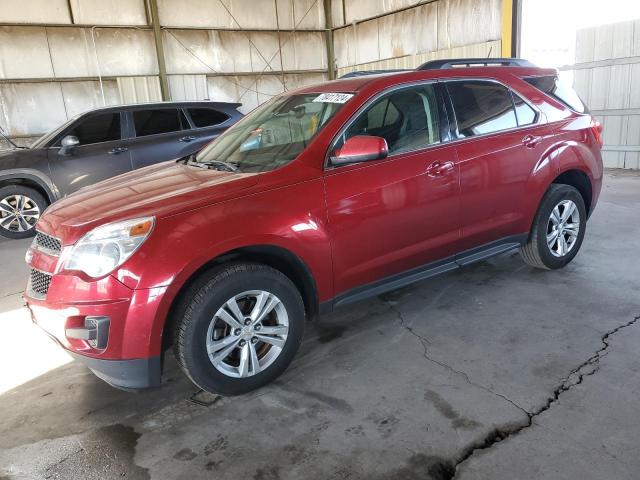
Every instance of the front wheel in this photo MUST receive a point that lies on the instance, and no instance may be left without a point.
(20, 209)
(239, 328)
(558, 229)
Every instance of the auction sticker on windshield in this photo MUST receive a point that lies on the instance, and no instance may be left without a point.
(333, 97)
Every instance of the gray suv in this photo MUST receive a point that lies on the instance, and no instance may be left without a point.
(97, 145)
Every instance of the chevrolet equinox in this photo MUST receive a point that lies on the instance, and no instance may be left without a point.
(320, 197)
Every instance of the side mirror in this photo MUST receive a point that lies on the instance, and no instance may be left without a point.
(360, 149)
(67, 144)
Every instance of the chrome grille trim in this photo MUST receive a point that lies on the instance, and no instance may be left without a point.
(47, 244)
(38, 283)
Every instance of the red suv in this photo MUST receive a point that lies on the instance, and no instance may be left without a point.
(322, 196)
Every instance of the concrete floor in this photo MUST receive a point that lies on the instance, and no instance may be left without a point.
(494, 371)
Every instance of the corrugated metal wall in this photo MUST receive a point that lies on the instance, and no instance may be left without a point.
(607, 76)
(62, 57)
(414, 35)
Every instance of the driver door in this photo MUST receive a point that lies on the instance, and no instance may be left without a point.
(393, 215)
(101, 153)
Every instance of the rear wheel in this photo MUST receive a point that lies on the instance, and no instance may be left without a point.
(20, 209)
(558, 229)
(239, 328)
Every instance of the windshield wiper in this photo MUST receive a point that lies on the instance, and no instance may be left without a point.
(229, 167)
(217, 164)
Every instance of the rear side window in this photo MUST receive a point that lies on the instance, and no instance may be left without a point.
(481, 107)
(165, 120)
(97, 129)
(525, 114)
(559, 90)
(207, 117)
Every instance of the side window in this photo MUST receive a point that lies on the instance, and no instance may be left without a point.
(481, 107)
(100, 128)
(162, 120)
(207, 117)
(559, 90)
(526, 115)
(407, 119)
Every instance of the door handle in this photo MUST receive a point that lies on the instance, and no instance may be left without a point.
(188, 138)
(439, 168)
(117, 150)
(530, 141)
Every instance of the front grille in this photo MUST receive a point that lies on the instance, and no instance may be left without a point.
(39, 283)
(48, 243)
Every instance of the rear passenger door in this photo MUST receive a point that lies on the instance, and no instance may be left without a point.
(158, 134)
(208, 123)
(497, 153)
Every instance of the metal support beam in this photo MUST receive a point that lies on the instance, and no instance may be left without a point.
(507, 28)
(157, 35)
(331, 58)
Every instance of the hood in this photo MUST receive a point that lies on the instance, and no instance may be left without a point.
(161, 190)
(15, 158)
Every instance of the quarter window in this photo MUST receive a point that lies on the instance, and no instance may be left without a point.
(407, 119)
(97, 129)
(526, 115)
(165, 120)
(207, 117)
(560, 91)
(481, 107)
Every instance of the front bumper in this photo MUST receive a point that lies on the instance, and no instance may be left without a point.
(136, 374)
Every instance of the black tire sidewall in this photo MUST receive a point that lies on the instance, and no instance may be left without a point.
(34, 195)
(553, 197)
(200, 314)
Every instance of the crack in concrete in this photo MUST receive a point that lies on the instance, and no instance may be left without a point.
(575, 377)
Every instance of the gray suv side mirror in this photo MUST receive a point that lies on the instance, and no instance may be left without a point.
(68, 143)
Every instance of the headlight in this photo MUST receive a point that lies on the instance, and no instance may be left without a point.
(105, 248)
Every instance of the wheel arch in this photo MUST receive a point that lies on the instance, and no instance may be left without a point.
(31, 180)
(581, 182)
(276, 257)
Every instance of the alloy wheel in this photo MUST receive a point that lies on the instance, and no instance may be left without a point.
(247, 333)
(18, 213)
(563, 228)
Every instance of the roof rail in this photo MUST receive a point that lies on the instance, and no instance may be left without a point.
(474, 62)
(360, 73)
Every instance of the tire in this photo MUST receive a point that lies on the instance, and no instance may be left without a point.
(17, 198)
(203, 325)
(538, 252)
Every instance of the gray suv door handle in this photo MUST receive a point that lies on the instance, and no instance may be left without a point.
(188, 138)
(117, 150)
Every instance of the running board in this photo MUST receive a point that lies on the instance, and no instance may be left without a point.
(429, 270)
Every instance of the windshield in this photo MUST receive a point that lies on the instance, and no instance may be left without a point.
(275, 133)
(47, 137)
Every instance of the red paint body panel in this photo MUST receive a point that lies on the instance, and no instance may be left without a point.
(350, 226)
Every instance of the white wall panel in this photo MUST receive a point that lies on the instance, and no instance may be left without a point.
(24, 53)
(359, 10)
(300, 14)
(34, 11)
(211, 14)
(303, 51)
(72, 52)
(139, 89)
(188, 87)
(80, 97)
(111, 12)
(211, 51)
(31, 108)
(126, 52)
(607, 77)
(463, 22)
